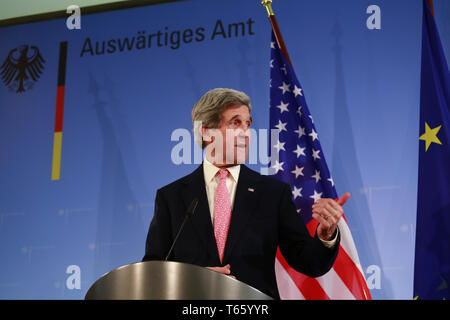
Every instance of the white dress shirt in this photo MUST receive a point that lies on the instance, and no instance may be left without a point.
(212, 180)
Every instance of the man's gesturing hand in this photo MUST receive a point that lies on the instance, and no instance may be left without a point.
(328, 212)
(225, 270)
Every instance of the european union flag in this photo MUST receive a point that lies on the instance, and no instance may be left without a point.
(432, 259)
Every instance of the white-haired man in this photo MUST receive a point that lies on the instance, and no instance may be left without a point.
(242, 216)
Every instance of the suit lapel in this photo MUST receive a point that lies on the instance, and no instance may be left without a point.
(194, 187)
(245, 203)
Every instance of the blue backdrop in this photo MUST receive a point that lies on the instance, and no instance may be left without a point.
(132, 78)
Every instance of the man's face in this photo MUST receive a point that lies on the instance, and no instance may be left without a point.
(230, 141)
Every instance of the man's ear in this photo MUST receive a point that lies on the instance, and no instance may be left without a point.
(206, 134)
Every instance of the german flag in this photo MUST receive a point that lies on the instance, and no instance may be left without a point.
(57, 137)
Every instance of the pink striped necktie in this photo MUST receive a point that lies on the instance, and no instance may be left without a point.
(222, 213)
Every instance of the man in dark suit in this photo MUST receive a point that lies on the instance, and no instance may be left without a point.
(242, 216)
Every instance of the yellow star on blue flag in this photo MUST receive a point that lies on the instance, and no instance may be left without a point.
(430, 136)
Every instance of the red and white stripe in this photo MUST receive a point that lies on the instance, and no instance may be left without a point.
(344, 281)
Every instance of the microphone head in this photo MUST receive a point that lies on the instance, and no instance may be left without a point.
(192, 207)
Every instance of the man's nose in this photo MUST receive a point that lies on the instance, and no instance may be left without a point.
(244, 131)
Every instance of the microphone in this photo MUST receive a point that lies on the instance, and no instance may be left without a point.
(189, 212)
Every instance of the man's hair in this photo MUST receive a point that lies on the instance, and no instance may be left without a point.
(208, 110)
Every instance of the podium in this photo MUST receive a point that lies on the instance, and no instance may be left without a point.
(168, 280)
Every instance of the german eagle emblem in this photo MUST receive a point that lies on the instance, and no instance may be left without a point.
(22, 67)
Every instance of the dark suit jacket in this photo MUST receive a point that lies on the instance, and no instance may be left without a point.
(261, 220)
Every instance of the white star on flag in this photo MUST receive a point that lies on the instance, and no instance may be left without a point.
(278, 166)
(297, 192)
(300, 132)
(331, 180)
(300, 151)
(316, 196)
(315, 154)
(283, 107)
(316, 176)
(281, 126)
(298, 171)
(314, 135)
(297, 91)
(284, 87)
(280, 146)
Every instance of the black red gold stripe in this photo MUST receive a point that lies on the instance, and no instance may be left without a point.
(59, 115)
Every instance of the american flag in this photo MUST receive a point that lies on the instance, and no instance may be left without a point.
(301, 163)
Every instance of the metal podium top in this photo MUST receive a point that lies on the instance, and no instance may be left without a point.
(168, 280)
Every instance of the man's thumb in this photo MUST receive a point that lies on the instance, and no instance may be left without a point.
(343, 199)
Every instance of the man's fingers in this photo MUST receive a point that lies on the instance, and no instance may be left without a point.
(328, 203)
(226, 270)
(327, 213)
(223, 270)
(321, 220)
(330, 208)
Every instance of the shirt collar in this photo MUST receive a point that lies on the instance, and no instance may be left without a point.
(210, 170)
